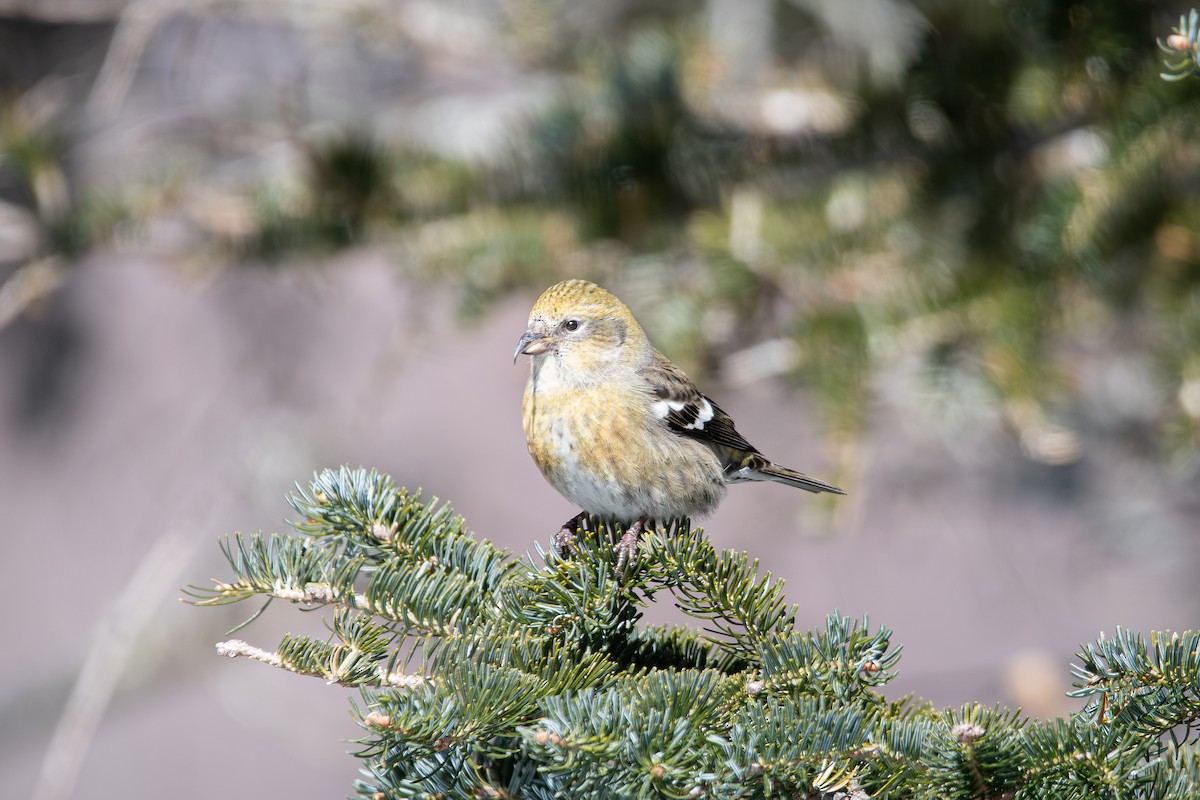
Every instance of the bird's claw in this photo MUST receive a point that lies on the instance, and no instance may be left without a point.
(626, 547)
(564, 542)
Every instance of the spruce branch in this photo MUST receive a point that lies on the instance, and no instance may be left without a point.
(484, 675)
(235, 648)
(638, 738)
(581, 600)
(976, 752)
(360, 660)
(1175, 775)
(844, 661)
(293, 568)
(1071, 760)
(789, 748)
(1151, 688)
(665, 646)
(726, 589)
(1182, 48)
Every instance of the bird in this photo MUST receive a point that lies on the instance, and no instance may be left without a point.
(618, 429)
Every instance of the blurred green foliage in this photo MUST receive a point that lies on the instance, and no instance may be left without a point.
(989, 188)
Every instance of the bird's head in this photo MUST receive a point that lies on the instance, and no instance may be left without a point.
(584, 327)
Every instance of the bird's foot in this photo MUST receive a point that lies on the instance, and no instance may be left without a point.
(564, 541)
(627, 545)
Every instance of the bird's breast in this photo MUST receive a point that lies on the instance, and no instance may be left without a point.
(592, 428)
(603, 448)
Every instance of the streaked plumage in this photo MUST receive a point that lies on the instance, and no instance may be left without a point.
(617, 428)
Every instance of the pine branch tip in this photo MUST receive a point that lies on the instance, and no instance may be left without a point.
(236, 648)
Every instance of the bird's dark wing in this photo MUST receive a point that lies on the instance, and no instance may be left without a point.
(689, 413)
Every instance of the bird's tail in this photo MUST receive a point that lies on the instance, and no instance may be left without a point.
(798, 479)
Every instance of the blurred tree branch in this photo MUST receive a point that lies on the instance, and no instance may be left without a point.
(979, 194)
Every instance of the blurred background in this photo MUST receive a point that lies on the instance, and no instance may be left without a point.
(945, 255)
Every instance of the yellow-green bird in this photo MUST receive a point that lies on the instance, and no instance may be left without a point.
(618, 429)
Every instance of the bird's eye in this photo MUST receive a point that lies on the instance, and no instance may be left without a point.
(571, 324)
